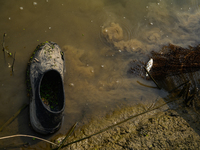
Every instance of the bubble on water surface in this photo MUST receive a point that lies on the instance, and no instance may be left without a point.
(21, 8)
(34, 3)
(71, 84)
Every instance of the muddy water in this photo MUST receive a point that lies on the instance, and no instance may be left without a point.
(99, 39)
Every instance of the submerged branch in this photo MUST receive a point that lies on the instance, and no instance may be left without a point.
(178, 86)
(68, 134)
(4, 48)
(152, 78)
(3, 44)
(13, 62)
(13, 117)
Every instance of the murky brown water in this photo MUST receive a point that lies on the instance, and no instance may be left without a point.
(99, 39)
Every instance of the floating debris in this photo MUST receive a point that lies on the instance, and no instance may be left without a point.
(151, 23)
(34, 3)
(13, 117)
(149, 65)
(9, 65)
(169, 61)
(71, 84)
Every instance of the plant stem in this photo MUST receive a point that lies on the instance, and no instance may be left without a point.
(68, 134)
(13, 117)
(30, 136)
(152, 78)
(13, 62)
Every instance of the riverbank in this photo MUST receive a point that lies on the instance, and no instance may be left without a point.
(172, 126)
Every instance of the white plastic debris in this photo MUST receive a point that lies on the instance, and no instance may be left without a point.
(149, 65)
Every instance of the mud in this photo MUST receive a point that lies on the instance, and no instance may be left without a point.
(115, 36)
(176, 128)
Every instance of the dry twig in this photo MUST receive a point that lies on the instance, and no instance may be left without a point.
(30, 136)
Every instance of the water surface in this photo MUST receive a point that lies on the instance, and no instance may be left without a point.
(100, 39)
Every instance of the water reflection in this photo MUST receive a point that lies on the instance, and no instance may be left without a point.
(95, 81)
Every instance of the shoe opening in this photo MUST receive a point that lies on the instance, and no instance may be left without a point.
(51, 91)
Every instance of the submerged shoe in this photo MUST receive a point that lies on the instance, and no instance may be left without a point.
(45, 75)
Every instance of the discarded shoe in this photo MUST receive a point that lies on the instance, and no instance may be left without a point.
(45, 75)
